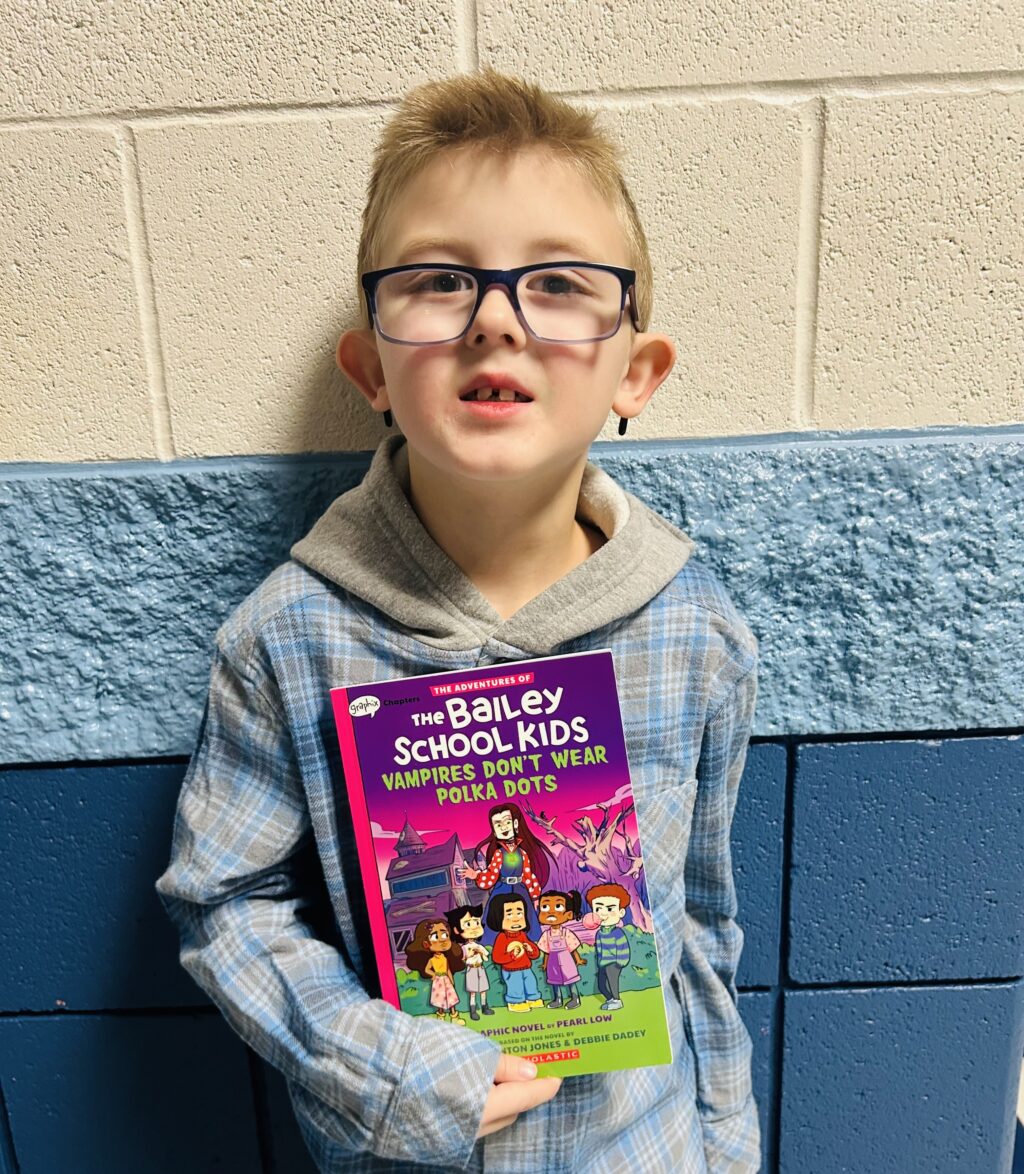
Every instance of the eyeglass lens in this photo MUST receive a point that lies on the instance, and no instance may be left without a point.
(561, 304)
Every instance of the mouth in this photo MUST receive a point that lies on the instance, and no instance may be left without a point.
(504, 395)
(494, 387)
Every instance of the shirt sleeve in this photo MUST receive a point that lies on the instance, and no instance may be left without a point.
(531, 882)
(713, 941)
(243, 870)
(488, 879)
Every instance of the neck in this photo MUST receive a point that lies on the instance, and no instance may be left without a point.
(512, 540)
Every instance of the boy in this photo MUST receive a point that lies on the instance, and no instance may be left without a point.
(480, 534)
(611, 946)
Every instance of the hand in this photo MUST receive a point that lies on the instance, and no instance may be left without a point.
(516, 949)
(463, 874)
(516, 1089)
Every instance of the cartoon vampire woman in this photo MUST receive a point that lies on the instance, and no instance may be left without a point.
(517, 862)
(433, 954)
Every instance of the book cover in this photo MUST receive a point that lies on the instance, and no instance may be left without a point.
(502, 861)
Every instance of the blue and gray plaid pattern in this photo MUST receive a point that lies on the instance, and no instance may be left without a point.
(265, 890)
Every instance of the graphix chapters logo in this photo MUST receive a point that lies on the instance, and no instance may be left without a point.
(363, 706)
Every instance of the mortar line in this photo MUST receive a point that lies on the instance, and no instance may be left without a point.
(787, 91)
(783, 92)
(224, 114)
(808, 261)
(467, 50)
(774, 1147)
(145, 291)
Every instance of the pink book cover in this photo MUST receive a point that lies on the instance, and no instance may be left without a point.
(502, 860)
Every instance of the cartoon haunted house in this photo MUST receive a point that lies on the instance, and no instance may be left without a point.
(422, 883)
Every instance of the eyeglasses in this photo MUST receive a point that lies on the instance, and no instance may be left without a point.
(571, 301)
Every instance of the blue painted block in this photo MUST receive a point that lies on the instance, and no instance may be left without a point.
(81, 925)
(757, 836)
(102, 1094)
(757, 1010)
(879, 572)
(901, 1080)
(907, 861)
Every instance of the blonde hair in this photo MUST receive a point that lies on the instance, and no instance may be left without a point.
(504, 114)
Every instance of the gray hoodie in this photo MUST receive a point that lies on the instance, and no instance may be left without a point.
(371, 542)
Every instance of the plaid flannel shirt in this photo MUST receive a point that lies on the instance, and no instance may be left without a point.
(264, 888)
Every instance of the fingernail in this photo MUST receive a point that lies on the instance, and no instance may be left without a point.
(527, 1069)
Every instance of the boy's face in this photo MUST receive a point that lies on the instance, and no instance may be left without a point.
(501, 213)
(608, 910)
(514, 917)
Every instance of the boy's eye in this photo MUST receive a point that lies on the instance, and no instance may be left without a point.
(557, 283)
(432, 282)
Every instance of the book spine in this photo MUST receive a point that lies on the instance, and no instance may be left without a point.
(365, 847)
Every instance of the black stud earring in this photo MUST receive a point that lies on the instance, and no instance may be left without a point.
(622, 425)
(387, 417)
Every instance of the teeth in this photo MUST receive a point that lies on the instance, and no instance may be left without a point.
(502, 394)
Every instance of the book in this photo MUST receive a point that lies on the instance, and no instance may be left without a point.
(502, 861)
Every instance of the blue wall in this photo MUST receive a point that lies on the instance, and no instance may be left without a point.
(878, 838)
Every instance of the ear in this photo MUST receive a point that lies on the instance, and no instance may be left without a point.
(358, 357)
(651, 358)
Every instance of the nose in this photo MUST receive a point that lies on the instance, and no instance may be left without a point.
(496, 316)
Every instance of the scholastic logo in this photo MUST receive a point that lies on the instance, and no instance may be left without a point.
(551, 1057)
(363, 706)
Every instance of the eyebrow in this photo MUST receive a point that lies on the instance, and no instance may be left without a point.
(544, 246)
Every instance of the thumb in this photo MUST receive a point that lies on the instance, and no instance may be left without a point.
(514, 1068)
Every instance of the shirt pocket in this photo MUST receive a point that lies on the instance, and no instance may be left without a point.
(664, 822)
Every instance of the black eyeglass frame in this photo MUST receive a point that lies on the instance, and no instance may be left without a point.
(486, 279)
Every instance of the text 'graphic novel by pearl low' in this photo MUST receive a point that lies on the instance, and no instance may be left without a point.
(502, 861)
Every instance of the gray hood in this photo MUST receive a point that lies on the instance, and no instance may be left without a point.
(371, 542)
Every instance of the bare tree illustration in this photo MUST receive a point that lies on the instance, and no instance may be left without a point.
(596, 858)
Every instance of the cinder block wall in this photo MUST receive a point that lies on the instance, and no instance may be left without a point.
(833, 202)
(832, 197)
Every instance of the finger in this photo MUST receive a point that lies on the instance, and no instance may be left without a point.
(516, 1096)
(494, 1126)
(513, 1068)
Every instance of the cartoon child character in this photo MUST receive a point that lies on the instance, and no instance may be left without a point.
(517, 862)
(561, 947)
(467, 928)
(609, 903)
(514, 952)
(433, 954)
